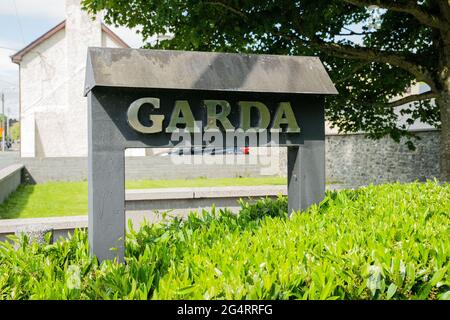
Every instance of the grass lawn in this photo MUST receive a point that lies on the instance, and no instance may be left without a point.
(70, 198)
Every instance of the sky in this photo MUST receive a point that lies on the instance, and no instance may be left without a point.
(21, 22)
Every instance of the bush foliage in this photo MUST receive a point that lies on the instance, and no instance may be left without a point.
(378, 242)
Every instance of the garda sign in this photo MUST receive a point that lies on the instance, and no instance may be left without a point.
(155, 99)
(182, 118)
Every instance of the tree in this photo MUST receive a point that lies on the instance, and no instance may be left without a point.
(372, 63)
(15, 131)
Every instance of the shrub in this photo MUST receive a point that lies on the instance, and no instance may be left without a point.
(378, 242)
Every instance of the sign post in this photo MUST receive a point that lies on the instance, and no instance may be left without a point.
(152, 98)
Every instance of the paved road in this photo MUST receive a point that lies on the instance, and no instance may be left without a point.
(8, 157)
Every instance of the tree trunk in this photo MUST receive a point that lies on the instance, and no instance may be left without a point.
(443, 101)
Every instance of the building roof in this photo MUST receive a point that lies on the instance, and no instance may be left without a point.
(114, 36)
(17, 57)
(190, 70)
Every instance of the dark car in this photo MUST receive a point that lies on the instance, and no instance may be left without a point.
(206, 150)
(8, 144)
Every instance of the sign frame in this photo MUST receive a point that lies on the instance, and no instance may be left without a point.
(115, 78)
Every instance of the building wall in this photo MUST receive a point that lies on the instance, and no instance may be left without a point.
(40, 170)
(81, 32)
(53, 108)
(43, 87)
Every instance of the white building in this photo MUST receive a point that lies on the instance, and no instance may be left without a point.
(53, 111)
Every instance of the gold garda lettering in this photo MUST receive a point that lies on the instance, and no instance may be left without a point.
(285, 115)
(213, 116)
(182, 114)
(264, 115)
(133, 118)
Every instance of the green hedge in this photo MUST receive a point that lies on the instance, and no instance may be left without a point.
(378, 242)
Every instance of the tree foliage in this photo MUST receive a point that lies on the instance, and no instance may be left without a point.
(372, 55)
(14, 131)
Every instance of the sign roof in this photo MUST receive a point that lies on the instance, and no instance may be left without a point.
(190, 70)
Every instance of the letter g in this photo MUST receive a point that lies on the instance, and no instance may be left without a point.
(133, 119)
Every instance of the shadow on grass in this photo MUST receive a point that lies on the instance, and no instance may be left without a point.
(14, 205)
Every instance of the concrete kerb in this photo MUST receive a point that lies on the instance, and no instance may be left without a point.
(10, 179)
(147, 204)
(36, 228)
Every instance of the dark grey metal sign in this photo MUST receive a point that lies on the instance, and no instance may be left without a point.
(151, 98)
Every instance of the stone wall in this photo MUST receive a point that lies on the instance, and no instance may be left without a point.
(350, 159)
(355, 160)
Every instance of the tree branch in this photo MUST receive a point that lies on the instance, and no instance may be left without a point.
(444, 7)
(414, 97)
(352, 72)
(369, 54)
(353, 33)
(411, 8)
(227, 7)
